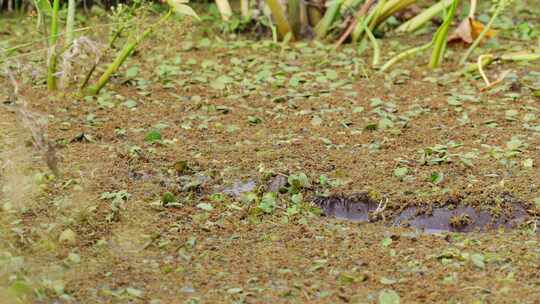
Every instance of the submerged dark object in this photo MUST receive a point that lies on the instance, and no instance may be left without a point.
(452, 218)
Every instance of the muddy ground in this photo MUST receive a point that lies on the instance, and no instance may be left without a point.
(195, 177)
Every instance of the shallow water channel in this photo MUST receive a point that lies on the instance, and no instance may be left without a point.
(432, 220)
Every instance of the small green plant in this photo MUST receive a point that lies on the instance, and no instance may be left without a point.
(438, 42)
(70, 23)
(328, 19)
(441, 38)
(426, 15)
(135, 39)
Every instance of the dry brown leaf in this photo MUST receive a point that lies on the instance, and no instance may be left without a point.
(468, 30)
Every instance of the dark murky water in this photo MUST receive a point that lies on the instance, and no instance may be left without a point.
(441, 219)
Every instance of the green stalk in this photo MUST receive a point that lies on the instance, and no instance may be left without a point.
(293, 11)
(480, 37)
(244, 9)
(349, 5)
(326, 22)
(113, 67)
(382, 12)
(53, 38)
(43, 7)
(126, 51)
(473, 67)
(70, 23)
(278, 15)
(359, 29)
(441, 38)
(390, 8)
(304, 18)
(419, 20)
(314, 15)
(374, 44)
(521, 56)
(406, 54)
(487, 60)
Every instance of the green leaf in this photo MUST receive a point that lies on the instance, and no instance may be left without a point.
(385, 123)
(515, 144)
(388, 297)
(387, 281)
(168, 197)
(478, 260)
(132, 72)
(44, 6)
(254, 120)
(437, 177)
(234, 290)
(205, 206)
(268, 202)
(528, 163)
(401, 172)
(181, 8)
(249, 197)
(316, 121)
(386, 242)
(221, 82)
(19, 288)
(537, 202)
(134, 292)
(130, 103)
(68, 236)
(297, 198)
(153, 136)
(358, 109)
(298, 181)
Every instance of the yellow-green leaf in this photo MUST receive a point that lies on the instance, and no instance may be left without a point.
(181, 8)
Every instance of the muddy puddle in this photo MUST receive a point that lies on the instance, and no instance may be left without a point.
(433, 220)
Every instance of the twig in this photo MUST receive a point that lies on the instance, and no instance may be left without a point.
(362, 11)
(481, 68)
(496, 82)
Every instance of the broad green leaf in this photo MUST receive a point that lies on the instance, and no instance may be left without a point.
(44, 6)
(181, 8)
